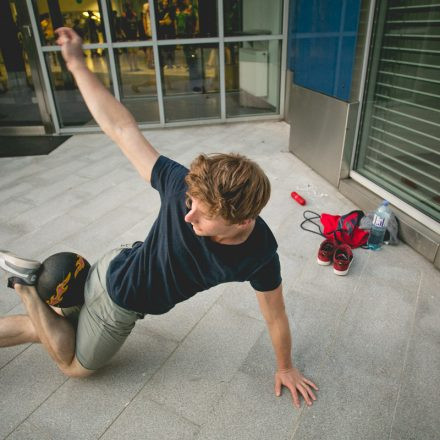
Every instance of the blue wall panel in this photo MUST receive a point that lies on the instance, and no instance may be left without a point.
(322, 43)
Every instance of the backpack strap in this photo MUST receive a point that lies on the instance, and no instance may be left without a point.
(310, 219)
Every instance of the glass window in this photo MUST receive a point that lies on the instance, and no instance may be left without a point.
(18, 100)
(399, 145)
(84, 17)
(72, 110)
(185, 18)
(252, 75)
(130, 20)
(252, 17)
(190, 81)
(137, 81)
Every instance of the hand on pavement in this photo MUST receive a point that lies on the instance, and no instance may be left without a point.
(292, 379)
(71, 47)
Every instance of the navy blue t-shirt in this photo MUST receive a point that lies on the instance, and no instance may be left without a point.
(174, 263)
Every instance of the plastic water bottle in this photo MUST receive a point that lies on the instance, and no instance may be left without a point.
(379, 226)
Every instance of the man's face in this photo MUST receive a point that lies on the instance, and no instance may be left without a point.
(205, 224)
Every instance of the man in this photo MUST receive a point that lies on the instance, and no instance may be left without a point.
(208, 232)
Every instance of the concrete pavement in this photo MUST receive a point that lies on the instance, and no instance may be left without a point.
(370, 340)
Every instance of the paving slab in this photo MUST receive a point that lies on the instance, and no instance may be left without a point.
(85, 408)
(28, 431)
(249, 410)
(417, 410)
(180, 320)
(369, 340)
(195, 376)
(145, 419)
(25, 383)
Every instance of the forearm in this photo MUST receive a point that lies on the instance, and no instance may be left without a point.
(279, 331)
(108, 112)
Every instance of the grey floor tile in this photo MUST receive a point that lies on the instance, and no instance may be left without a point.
(418, 408)
(144, 419)
(34, 244)
(13, 190)
(350, 405)
(195, 376)
(249, 410)
(104, 202)
(374, 332)
(241, 298)
(36, 216)
(28, 431)
(352, 335)
(179, 321)
(25, 383)
(8, 298)
(91, 405)
(51, 185)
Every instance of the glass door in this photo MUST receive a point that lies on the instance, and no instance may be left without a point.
(22, 101)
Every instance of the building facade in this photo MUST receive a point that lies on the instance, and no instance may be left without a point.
(364, 105)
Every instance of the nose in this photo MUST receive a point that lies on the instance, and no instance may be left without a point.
(190, 217)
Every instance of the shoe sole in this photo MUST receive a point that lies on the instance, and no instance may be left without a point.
(342, 272)
(323, 263)
(20, 267)
(8, 257)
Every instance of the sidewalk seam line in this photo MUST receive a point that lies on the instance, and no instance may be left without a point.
(410, 338)
(157, 371)
(327, 350)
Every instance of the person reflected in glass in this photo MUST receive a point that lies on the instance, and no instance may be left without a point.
(146, 25)
(78, 28)
(129, 26)
(167, 31)
(92, 26)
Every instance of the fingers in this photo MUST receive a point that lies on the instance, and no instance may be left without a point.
(66, 34)
(309, 382)
(306, 393)
(277, 387)
(294, 396)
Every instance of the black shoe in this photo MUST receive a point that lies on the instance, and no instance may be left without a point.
(22, 270)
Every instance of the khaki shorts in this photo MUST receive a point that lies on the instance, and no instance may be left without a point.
(102, 326)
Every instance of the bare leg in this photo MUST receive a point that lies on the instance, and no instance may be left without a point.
(54, 332)
(16, 330)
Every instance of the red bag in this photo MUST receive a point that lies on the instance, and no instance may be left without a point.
(341, 228)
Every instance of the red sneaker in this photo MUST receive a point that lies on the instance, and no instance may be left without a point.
(325, 253)
(342, 259)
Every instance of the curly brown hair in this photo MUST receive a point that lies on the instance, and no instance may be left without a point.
(231, 185)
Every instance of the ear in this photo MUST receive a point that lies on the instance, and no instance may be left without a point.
(246, 223)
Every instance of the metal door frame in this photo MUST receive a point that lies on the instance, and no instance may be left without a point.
(109, 45)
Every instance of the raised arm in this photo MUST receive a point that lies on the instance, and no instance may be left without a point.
(114, 119)
(272, 307)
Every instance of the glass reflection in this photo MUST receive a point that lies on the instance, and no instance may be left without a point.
(130, 20)
(18, 101)
(69, 102)
(138, 87)
(252, 17)
(85, 18)
(191, 84)
(252, 77)
(185, 18)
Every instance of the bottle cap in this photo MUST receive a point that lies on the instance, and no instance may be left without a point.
(385, 203)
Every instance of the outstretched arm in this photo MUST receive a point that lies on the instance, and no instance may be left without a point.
(114, 119)
(272, 307)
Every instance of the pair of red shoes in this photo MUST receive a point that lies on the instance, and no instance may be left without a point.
(340, 254)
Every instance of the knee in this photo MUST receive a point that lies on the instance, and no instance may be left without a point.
(78, 374)
(75, 369)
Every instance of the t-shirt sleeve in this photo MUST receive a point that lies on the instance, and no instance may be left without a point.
(168, 176)
(268, 276)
